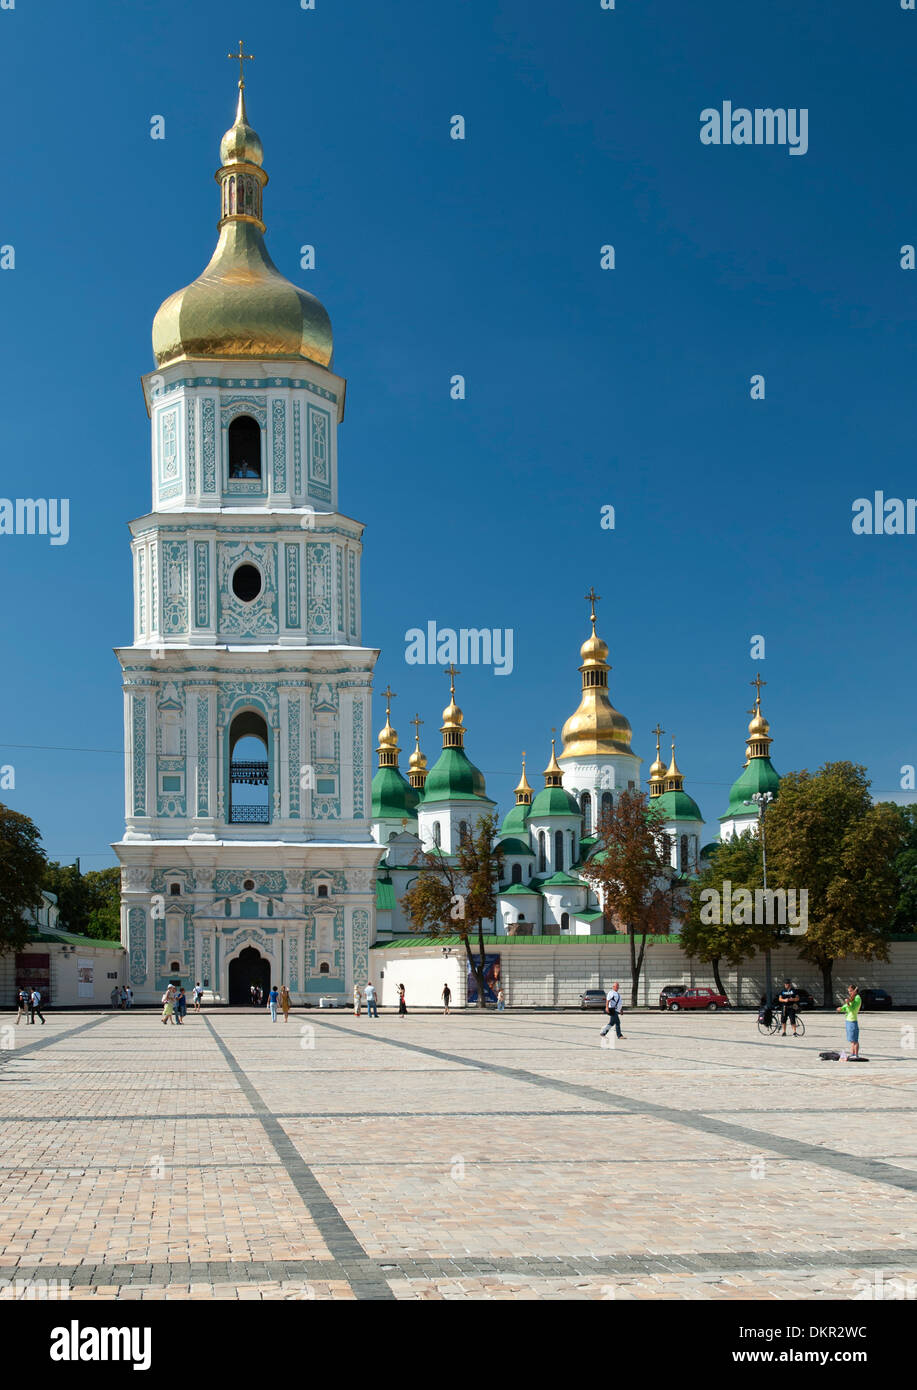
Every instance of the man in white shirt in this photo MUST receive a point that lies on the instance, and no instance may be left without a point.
(372, 1008)
(35, 1006)
(613, 1010)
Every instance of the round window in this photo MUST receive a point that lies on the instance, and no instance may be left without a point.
(246, 583)
(249, 884)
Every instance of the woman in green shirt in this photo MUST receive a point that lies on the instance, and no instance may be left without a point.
(851, 1008)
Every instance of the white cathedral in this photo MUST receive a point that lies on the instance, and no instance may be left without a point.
(256, 848)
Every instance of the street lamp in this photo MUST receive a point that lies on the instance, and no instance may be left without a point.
(762, 800)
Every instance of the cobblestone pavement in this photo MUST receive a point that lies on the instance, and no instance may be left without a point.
(509, 1156)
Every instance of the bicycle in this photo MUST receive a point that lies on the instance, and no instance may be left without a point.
(776, 1023)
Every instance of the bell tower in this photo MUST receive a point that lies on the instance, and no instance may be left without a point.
(247, 687)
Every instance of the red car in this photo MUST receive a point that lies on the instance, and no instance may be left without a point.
(695, 999)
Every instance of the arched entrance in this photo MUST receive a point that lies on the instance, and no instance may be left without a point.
(249, 968)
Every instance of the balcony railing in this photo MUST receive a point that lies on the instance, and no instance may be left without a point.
(248, 774)
(249, 815)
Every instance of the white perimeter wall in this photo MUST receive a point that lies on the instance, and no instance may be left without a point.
(555, 976)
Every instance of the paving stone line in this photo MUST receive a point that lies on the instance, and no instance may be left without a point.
(9, 1054)
(350, 1258)
(424, 1267)
(870, 1169)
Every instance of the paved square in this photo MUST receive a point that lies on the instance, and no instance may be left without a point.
(509, 1156)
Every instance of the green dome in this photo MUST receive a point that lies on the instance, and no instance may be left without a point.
(677, 806)
(514, 846)
(515, 820)
(454, 777)
(759, 776)
(393, 796)
(553, 801)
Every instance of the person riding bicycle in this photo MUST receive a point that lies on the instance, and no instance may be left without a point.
(788, 998)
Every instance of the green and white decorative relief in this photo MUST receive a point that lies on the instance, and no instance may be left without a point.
(319, 432)
(258, 618)
(279, 442)
(318, 573)
(208, 444)
(291, 554)
(174, 587)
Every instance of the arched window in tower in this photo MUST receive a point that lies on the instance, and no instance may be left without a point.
(244, 448)
(542, 854)
(685, 854)
(516, 874)
(249, 774)
(565, 921)
(608, 802)
(232, 192)
(323, 890)
(437, 834)
(463, 831)
(666, 847)
(558, 851)
(585, 805)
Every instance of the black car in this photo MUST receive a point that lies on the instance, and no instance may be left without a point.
(592, 999)
(806, 1000)
(875, 999)
(669, 991)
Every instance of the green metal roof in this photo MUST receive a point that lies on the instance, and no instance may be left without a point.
(553, 801)
(587, 916)
(528, 889)
(514, 846)
(678, 806)
(66, 938)
(560, 880)
(385, 895)
(759, 776)
(393, 796)
(514, 822)
(454, 777)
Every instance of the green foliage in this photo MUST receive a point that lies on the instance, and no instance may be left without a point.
(89, 903)
(22, 868)
(738, 862)
(824, 834)
(905, 914)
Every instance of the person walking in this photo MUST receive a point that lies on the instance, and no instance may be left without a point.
(501, 1000)
(168, 1005)
(372, 1007)
(850, 1009)
(35, 1007)
(130, 998)
(181, 1004)
(122, 998)
(356, 1001)
(402, 1006)
(196, 997)
(23, 1001)
(285, 1002)
(272, 998)
(789, 998)
(114, 997)
(447, 998)
(613, 1010)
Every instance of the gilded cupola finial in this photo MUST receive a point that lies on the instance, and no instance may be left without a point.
(674, 779)
(523, 790)
(453, 729)
(657, 770)
(759, 739)
(388, 749)
(241, 57)
(553, 773)
(417, 763)
(596, 727)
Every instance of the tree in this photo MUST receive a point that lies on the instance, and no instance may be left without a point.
(632, 876)
(905, 915)
(824, 835)
(90, 904)
(456, 894)
(736, 861)
(22, 869)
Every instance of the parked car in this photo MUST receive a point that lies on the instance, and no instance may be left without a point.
(696, 999)
(806, 1000)
(875, 999)
(670, 992)
(592, 999)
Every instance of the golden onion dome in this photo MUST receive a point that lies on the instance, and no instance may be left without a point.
(657, 770)
(417, 762)
(594, 651)
(759, 727)
(596, 726)
(387, 736)
(523, 787)
(241, 306)
(452, 716)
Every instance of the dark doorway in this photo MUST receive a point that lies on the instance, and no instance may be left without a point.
(249, 968)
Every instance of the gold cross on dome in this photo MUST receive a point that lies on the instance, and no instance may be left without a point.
(389, 693)
(241, 57)
(452, 672)
(416, 721)
(593, 598)
(658, 731)
(757, 683)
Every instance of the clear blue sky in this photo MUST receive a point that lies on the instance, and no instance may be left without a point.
(585, 387)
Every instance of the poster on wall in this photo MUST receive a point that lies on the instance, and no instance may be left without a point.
(491, 981)
(84, 979)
